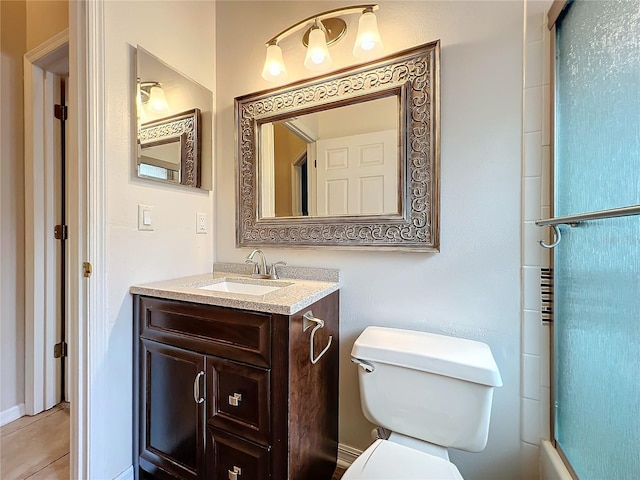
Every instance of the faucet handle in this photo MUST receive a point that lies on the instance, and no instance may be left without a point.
(254, 263)
(274, 271)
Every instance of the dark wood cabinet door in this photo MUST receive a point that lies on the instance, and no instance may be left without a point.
(232, 458)
(239, 399)
(171, 420)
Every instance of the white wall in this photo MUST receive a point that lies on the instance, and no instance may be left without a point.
(472, 287)
(45, 18)
(181, 33)
(13, 47)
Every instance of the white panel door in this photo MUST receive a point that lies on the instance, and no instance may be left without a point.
(358, 174)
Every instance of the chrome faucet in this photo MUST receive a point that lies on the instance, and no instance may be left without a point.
(262, 269)
(256, 267)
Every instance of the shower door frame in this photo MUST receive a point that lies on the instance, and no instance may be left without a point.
(555, 11)
(557, 7)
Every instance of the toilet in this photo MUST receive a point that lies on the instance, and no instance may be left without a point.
(428, 393)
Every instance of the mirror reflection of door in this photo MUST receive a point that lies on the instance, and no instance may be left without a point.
(300, 185)
(357, 174)
(340, 161)
(290, 152)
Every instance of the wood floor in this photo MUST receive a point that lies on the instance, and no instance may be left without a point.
(337, 475)
(36, 447)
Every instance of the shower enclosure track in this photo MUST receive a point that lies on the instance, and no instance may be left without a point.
(575, 220)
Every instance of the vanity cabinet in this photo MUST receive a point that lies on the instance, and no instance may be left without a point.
(231, 394)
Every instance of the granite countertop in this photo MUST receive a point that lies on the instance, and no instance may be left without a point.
(299, 287)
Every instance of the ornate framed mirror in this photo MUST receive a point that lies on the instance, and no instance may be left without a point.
(347, 160)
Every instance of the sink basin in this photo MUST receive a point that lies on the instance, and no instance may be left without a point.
(243, 288)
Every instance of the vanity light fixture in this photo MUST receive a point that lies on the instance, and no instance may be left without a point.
(152, 96)
(318, 57)
(368, 41)
(323, 30)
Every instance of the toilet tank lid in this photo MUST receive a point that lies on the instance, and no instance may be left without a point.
(439, 354)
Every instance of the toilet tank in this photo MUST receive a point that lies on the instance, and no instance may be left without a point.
(432, 387)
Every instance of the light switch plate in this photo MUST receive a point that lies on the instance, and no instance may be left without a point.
(145, 217)
(201, 222)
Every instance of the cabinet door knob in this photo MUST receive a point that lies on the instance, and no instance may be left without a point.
(234, 400)
(233, 474)
(196, 388)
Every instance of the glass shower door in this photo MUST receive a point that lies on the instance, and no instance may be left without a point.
(597, 263)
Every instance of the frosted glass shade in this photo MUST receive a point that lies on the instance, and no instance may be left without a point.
(157, 100)
(318, 57)
(274, 68)
(368, 41)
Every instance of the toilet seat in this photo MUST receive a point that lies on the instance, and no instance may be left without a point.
(385, 460)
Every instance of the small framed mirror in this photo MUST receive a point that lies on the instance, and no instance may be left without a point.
(174, 125)
(170, 149)
(350, 159)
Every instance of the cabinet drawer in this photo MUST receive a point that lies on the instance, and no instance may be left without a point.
(238, 399)
(236, 334)
(231, 455)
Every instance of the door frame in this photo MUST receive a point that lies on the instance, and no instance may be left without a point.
(86, 214)
(41, 277)
(89, 340)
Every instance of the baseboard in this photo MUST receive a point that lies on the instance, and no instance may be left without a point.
(347, 455)
(11, 414)
(126, 475)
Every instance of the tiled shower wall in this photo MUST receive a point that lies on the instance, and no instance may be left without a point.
(536, 201)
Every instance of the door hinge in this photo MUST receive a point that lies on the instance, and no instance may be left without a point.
(60, 112)
(61, 232)
(60, 350)
(86, 269)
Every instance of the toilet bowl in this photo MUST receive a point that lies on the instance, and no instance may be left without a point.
(386, 460)
(432, 392)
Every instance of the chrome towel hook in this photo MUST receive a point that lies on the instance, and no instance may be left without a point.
(307, 321)
(557, 236)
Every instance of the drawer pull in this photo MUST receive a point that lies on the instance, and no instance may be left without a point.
(196, 388)
(233, 474)
(307, 320)
(234, 400)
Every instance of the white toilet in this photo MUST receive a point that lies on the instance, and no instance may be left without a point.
(432, 392)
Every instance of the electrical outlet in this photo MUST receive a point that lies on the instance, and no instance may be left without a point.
(201, 222)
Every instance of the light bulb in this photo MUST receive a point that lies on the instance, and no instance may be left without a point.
(368, 41)
(318, 57)
(274, 69)
(157, 100)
